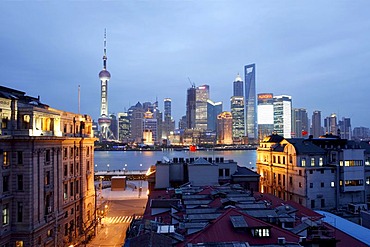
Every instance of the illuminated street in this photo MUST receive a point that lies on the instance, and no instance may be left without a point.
(122, 207)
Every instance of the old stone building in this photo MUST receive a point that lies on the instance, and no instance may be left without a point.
(319, 173)
(47, 194)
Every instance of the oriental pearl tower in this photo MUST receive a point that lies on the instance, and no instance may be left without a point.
(104, 76)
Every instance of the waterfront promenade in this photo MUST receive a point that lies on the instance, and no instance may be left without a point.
(123, 206)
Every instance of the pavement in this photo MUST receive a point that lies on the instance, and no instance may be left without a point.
(122, 205)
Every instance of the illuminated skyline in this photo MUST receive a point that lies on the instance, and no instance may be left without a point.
(316, 52)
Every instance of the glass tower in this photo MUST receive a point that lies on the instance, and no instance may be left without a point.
(250, 102)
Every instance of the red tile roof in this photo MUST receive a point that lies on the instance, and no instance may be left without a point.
(222, 230)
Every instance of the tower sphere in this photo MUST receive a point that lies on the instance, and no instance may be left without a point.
(104, 75)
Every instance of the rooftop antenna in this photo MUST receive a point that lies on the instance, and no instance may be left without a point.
(79, 99)
(105, 50)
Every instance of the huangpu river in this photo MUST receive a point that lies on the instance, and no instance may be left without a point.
(142, 160)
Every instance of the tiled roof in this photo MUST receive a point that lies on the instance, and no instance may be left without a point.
(303, 146)
(222, 230)
(201, 161)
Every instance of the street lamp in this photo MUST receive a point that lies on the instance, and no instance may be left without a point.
(108, 167)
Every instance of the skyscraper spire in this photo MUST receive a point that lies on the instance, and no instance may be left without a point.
(105, 50)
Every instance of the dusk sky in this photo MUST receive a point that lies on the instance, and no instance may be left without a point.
(316, 51)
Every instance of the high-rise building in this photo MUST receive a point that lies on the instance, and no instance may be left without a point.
(190, 107)
(202, 95)
(168, 123)
(213, 109)
(124, 131)
(238, 86)
(136, 116)
(330, 124)
(237, 113)
(114, 126)
(283, 115)
(299, 122)
(250, 102)
(265, 113)
(47, 174)
(361, 134)
(345, 128)
(182, 123)
(316, 127)
(224, 128)
(104, 120)
(149, 129)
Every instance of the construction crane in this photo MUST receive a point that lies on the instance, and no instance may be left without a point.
(191, 83)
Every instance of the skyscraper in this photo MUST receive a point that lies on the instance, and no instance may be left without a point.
(250, 102)
(283, 115)
(265, 110)
(345, 128)
(238, 86)
(316, 128)
(330, 124)
(190, 107)
(104, 76)
(224, 128)
(124, 131)
(237, 113)
(299, 122)
(169, 123)
(202, 95)
(213, 109)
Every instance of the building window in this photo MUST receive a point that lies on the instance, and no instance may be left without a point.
(332, 184)
(322, 184)
(290, 159)
(71, 169)
(65, 192)
(312, 203)
(88, 165)
(5, 183)
(353, 182)
(303, 162)
(71, 189)
(283, 180)
(71, 153)
(20, 212)
(20, 158)
(87, 151)
(5, 158)
(220, 172)
(76, 187)
(47, 178)
(20, 182)
(368, 180)
(66, 229)
(19, 243)
(312, 161)
(227, 172)
(300, 173)
(262, 232)
(321, 161)
(300, 185)
(76, 166)
(65, 153)
(311, 171)
(311, 185)
(65, 170)
(5, 214)
(47, 155)
(290, 180)
(283, 159)
(323, 203)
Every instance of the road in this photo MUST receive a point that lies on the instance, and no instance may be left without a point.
(122, 207)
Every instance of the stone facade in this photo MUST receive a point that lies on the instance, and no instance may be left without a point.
(321, 173)
(47, 173)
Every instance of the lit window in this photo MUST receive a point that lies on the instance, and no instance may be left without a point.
(303, 162)
(5, 158)
(332, 184)
(262, 232)
(5, 214)
(312, 161)
(321, 161)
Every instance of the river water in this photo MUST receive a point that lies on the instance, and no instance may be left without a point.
(142, 160)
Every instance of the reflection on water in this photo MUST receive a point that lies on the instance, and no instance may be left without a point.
(142, 160)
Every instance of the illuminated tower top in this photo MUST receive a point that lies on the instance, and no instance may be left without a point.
(104, 76)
